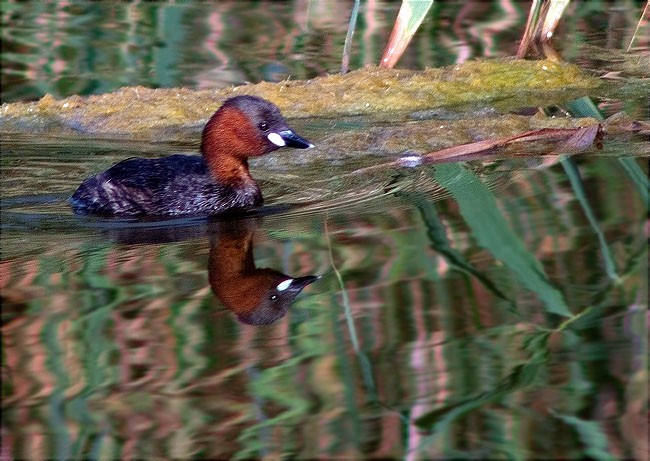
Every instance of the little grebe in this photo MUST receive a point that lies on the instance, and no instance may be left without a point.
(216, 182)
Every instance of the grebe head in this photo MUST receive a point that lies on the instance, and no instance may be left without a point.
(248, 126)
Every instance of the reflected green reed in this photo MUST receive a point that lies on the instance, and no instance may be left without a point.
(478, 208)
(68, 48)
(481, 325)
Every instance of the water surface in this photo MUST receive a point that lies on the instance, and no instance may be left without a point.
(478, 309)
(495, 308)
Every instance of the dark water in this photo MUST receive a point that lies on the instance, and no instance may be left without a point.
(489, 309)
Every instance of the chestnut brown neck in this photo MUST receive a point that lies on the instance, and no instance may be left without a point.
(234, 279)
(228, 140)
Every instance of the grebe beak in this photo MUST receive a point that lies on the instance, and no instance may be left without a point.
(289, 139)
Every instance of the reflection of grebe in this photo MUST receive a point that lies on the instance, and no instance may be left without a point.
(256, 296)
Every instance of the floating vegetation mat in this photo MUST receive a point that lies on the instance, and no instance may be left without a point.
(171, 114)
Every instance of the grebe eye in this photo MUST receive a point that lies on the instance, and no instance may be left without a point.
(264, 126)
(274, 297)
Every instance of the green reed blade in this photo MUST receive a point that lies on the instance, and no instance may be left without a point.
(437, 234)
(638, 177)
(346, 371)
(591, 435)
(578, 188)
(585, 107)
(364, 363)
(521, 376)
(347, 47)
(479, 208)
(409, 18)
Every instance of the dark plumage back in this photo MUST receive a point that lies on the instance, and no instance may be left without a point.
(174, 185)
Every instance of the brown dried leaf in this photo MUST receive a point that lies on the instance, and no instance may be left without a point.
(576, 140)
(581, 140)
(488, 145)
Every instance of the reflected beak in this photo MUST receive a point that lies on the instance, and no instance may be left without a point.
(296, 285)
(291, 139)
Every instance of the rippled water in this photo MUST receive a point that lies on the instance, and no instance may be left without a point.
(66, 48)
(488, 309)
(463, 310)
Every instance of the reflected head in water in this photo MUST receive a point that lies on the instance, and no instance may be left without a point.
(255, 296)
(259, 300)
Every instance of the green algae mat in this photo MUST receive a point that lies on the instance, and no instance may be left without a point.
(168, 114)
